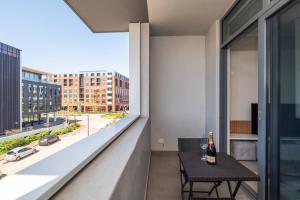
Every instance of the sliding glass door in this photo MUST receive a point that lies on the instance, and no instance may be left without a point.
(283, 133)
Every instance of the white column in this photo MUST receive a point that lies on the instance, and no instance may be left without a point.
(139, 39)
(134, 68)
(145, 73)
(212, 48)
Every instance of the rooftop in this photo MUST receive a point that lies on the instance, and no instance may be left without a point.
(33, 70)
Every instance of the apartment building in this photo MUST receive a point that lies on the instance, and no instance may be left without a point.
(9, 88)
(93, 91)
(24, 96)
(38, 96)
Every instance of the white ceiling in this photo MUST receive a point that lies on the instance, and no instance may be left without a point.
(109, 15)
(184, 17)
(166, 17)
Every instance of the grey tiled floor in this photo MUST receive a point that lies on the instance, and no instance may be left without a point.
(164, 179)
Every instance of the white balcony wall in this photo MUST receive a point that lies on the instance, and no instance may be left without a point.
(177, 89)
(212, 52)
(132, 184)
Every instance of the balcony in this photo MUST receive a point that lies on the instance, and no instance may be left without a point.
(179, 87)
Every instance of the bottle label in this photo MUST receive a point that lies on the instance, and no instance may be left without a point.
(211, 159)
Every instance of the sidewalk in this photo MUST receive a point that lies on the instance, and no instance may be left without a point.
(33, 130)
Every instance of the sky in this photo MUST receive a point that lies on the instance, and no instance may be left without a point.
(54, 39)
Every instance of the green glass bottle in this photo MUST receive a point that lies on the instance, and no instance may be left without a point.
(211, 150)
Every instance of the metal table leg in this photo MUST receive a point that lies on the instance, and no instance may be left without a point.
(191, 191)
(215, 187)
(181, 185)
(236, 189)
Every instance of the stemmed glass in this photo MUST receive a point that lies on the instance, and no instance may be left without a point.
(203, 147)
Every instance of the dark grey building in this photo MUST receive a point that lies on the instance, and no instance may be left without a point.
(39, 96)
(9, 88)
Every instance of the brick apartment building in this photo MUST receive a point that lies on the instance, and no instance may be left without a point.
(93, 91)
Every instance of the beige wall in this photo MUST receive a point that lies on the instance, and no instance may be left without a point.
(177, 89)
(243, 83)
(212, 53)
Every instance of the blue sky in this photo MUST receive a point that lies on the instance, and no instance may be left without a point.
(52, 38)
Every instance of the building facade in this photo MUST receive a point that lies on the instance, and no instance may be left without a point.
(93, 91)
(38, 96)
(9, 88)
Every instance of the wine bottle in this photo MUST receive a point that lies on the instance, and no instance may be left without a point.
(211, 150)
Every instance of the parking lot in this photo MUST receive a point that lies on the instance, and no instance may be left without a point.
(96, 123)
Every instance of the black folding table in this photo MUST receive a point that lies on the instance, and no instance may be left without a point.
(227, 169)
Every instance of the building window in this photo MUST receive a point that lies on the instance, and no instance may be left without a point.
(98, 81)
(92, 81)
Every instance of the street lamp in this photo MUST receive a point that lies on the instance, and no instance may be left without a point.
(88, 124)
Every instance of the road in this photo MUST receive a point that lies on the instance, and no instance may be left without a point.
(96, 123)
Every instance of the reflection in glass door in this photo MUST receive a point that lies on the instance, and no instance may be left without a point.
(284, 104)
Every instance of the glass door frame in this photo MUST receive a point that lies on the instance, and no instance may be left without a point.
(269, 8)
(274, 143)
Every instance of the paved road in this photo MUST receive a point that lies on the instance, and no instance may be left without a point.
(96, 123)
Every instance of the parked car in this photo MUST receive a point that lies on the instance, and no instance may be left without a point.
(19, 153)
(47, 140)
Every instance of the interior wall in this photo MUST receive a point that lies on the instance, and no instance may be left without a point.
(243, 83)
(212, 53)
(177, 89)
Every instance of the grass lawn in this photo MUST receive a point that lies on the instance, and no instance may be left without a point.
(115, 115)
(11, 143)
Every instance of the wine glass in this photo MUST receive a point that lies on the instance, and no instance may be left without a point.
(203, 147)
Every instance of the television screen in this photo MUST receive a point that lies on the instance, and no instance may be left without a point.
(254, 115)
